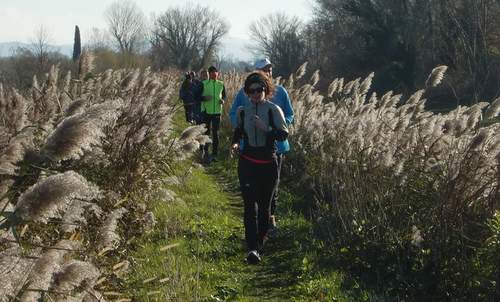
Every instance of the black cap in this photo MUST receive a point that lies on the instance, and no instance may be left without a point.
(212, 69)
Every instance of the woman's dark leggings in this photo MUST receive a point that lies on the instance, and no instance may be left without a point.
(257, 183)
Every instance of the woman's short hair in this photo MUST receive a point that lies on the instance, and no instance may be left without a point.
(260, 78)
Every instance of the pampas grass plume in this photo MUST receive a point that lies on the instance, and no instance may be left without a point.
(75, 278)
(108, 237)
(436, 76)
(50, 197)
(314, 78)
(41, 277)
(79, 133)
(493, 110)
(301, 71)
(192, 132)
(191, 146)
(366, 84)
(86, 63)
(332, 88)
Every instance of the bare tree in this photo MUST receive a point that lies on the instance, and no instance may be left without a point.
(98, 39)
(126, 24)
(40, 47)
(279, 37)
(474, 33)
(187, 37)
(34, 59)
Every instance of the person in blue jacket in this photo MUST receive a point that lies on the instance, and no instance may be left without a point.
(282, 100)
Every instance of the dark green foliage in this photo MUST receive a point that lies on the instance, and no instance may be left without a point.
(401, 41)
(77, 47)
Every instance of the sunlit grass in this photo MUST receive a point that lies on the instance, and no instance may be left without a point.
(205, 257)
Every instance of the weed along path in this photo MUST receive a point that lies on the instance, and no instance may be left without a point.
(197, 250)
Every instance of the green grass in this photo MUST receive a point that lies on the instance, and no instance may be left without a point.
(207, 264)
(197, 249)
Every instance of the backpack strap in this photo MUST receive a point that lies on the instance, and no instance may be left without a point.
(271, 120)
(242, 118)
(242, 127)
(270, 141)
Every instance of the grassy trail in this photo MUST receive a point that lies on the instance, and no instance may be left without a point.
(197, 251)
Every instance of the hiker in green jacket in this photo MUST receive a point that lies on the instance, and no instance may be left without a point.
(213, 96)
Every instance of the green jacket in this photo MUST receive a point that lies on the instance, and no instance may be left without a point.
(216, 90)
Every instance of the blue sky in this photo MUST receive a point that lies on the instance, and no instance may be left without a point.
(20, 18)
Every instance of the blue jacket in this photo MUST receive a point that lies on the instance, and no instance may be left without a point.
(280, 98)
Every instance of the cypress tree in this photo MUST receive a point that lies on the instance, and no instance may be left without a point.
(77, 46)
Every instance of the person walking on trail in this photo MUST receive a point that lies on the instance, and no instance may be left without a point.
(280, 98)
(197, 87)
(188, 95)
(213, 96)
(204, 74)
(259, 123)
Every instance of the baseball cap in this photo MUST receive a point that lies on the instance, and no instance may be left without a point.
(262, 63)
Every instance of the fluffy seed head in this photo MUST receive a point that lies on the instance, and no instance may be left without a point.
(50, 197)
(436, 76)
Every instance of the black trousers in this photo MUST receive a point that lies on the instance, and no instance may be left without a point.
(188, 110)
(274, 199)
(213, 123)
(257, 183)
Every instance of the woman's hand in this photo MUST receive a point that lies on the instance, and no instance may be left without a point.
(260, 123)
(235, 149)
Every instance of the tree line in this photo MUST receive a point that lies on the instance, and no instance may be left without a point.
(401, 41)
(184, 38)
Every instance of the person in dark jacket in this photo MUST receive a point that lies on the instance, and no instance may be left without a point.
(197, 88)
(259, 123)
(190, 94)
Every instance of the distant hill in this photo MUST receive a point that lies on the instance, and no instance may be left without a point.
(234, 48)
(6, 48)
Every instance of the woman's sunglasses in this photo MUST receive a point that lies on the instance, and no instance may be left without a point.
(259, 89)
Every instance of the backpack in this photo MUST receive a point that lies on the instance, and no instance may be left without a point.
(282, 147)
